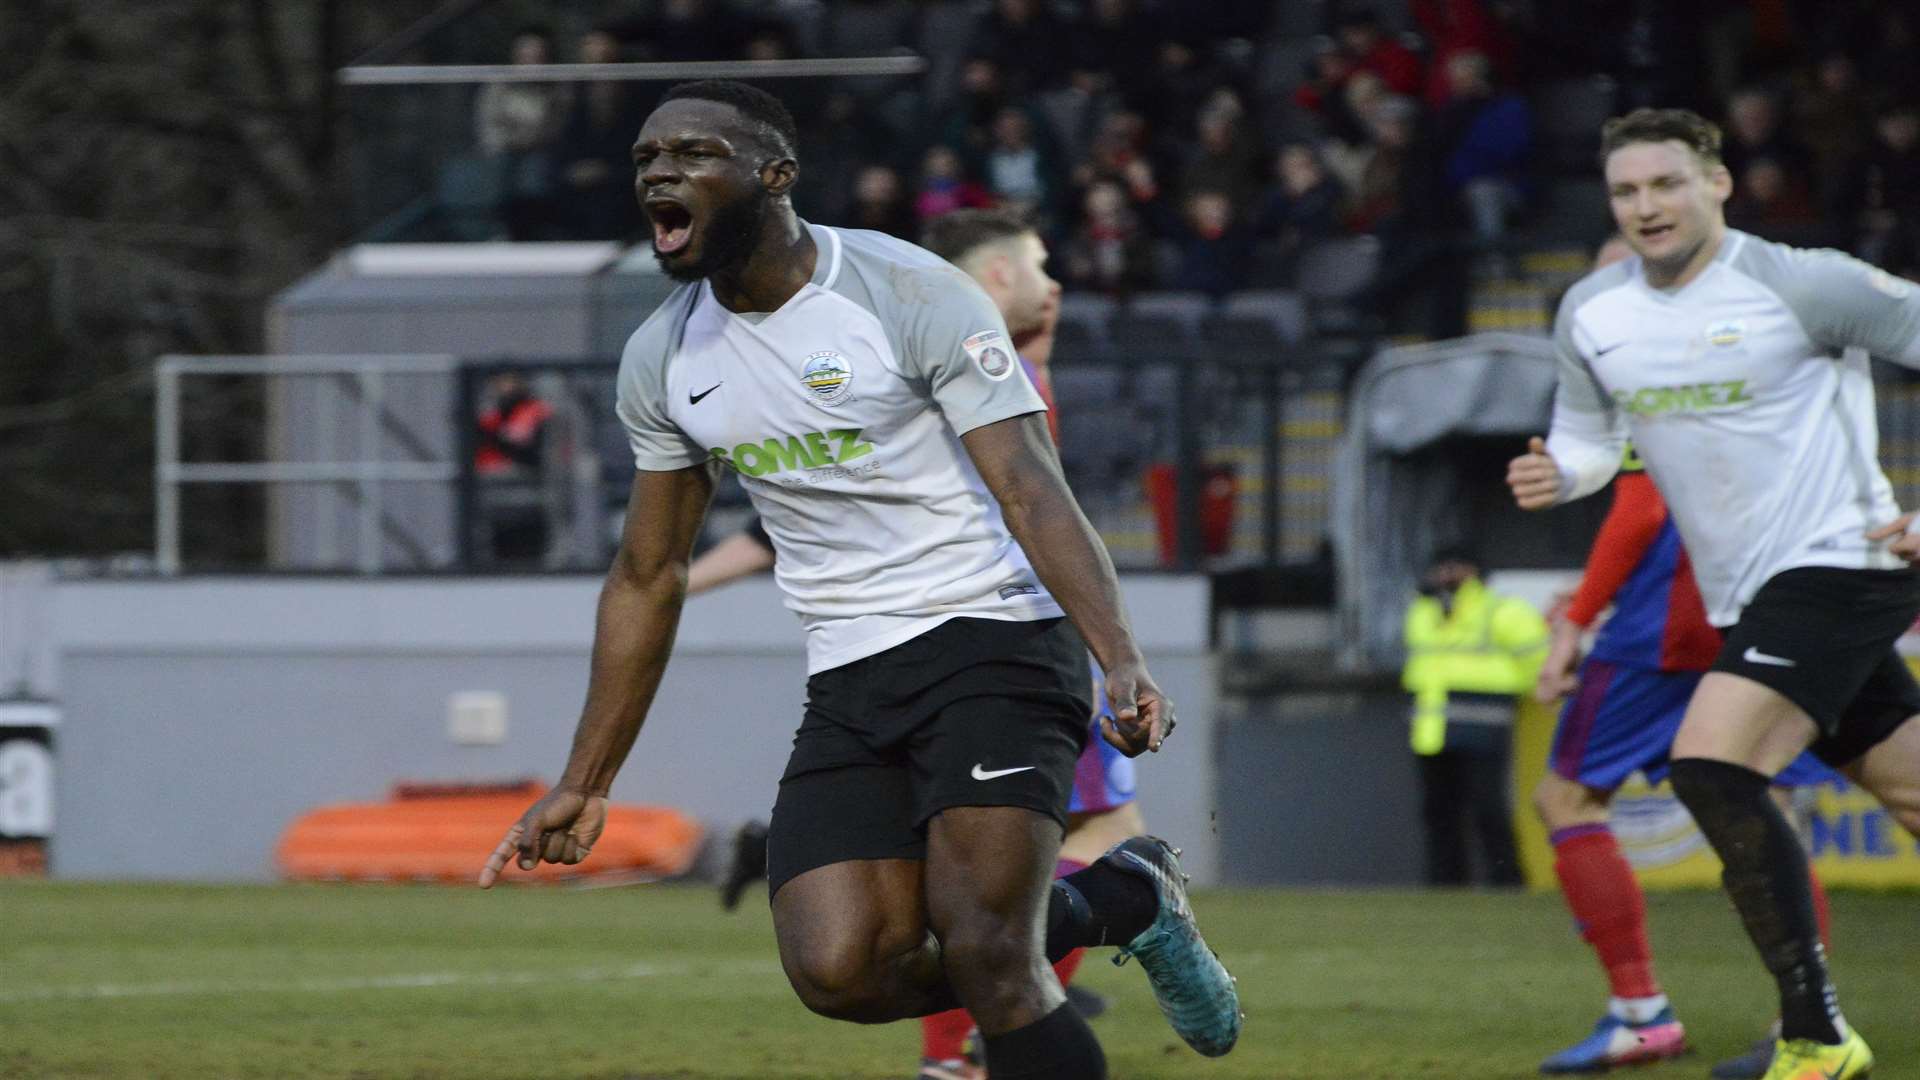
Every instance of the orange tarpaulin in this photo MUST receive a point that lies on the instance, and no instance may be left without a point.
(429, 832)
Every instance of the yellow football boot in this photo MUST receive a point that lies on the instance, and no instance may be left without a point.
(1804, 1059)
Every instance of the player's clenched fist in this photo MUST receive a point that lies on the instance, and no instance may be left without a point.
(1534, 477)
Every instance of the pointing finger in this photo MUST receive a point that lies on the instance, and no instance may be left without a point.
(497, 861)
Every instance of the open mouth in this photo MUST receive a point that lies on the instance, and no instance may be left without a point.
(672, 225)
(1655, 232)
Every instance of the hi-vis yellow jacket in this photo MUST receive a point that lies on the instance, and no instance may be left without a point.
(1490, 647)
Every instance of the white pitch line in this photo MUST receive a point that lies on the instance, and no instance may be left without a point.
(406, 981)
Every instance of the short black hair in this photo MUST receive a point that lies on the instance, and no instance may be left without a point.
(953, 236)
(1459, 553)
(754, 103)
(1690, 129)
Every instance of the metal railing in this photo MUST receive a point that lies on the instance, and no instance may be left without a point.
(366, 473)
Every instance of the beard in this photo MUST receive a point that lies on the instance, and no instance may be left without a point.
(729, 239)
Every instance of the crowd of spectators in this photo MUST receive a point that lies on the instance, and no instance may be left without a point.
(1169, 145)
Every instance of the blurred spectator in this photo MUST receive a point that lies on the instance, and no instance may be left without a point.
(1347, 153)
(507, 465)
(1223, 159)
(1115, 40)
(1022, 37)
(967, 123)
(594, 154)
(1302, 206)
(1176, 87)
(1215, 249)
(837, 142)
(1892, 41)
(1391, 171)
(1832, 119)
(943, 188)
(1119, 154)
(1767, 201)
(1486, 136)
(1754, 131)
(1890, 189)
(1371, 49)
(880, 203)
(1453, 27)
(1321, 94)
(1470, 653)
(1018, 172)
(1109, 249)
(517, 123)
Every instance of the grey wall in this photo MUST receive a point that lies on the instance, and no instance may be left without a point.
(1318, 788)
(203, 714)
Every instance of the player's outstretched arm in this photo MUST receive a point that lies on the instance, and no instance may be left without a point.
(1017, 460)
(633, 633)
(729, 560)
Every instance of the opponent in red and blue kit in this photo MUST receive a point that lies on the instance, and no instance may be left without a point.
(1621, 713)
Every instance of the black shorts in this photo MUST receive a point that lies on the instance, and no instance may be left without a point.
(975, 712)
(1822, 637)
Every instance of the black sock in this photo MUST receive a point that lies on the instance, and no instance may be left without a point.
(1766, 876)
(1098, 906)
(1059, 1046)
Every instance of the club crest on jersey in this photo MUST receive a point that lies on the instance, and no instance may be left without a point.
(827, 376)
(1726, 332)
(990, 350)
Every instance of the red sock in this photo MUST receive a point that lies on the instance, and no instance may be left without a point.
(943, 1036)
(1820, 909)
(1607, 905)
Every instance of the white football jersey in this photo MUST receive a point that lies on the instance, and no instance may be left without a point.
(842, 414)
(1747, 393)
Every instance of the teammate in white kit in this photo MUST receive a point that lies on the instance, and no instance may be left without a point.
(1740, 369)
(861, 388)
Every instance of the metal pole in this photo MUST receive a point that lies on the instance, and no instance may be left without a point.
(821, 67)
(166, 458)
(1274, 411)
(372, 402)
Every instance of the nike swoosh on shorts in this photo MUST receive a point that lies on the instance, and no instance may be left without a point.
(981, 773)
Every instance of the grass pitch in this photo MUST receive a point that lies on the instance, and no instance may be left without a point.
(158, 982)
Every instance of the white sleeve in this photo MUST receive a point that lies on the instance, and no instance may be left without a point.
(1844, 303)
(957, 342)
(1588, 433)
(641, 392)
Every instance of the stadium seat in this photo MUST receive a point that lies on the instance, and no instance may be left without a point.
(1084, 320)
(1162, 318)
(1568, 114)
(1332, 275)
(1090, 387)
(1261, 319)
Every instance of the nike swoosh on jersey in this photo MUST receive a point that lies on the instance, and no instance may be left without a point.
(694, 399)
(1755, 656)
(981, 773)
(1610, 348)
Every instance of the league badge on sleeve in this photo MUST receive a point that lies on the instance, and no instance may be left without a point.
(990, 350)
